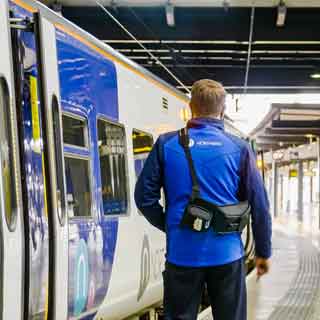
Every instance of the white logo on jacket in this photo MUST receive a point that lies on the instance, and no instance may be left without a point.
(209, 143)
(204, 143)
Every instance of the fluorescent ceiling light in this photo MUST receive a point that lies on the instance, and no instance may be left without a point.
(315, 76)
(57, 7)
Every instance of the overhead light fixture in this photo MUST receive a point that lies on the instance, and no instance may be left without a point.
(170, 14)
(57, 7)
(277, 155)
(309, 136)
(315, 75)
(114, 6)
(226, 5)
(282, 13)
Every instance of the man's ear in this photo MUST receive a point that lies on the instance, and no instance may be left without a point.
(222, 114)
(191, 108)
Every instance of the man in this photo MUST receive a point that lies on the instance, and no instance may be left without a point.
(227, 173)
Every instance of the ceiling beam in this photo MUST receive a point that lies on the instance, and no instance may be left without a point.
(267, 147)
(222, 51)
(224, 42)
(297, 106)
(266, 88)
(233, 48)
(217, 66)
(285, 139)
(296, 124)
(295, 131)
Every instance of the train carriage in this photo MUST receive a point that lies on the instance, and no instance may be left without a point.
(77, 122)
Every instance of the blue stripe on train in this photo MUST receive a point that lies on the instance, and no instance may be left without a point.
(88, 84)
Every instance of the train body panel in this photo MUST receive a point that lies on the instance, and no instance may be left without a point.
(137, 276)
(92, 237)
(86, 134)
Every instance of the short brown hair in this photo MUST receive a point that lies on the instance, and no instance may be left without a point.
(207, 98)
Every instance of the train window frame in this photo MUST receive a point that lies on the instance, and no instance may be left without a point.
(103, 118)
(72, 153)
(7, 121)
(147, 134)
(87, 158)
(85, 130)
(134, 155)
(59, 159)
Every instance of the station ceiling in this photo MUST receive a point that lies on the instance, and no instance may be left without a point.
(192, 3)
(211, 39)
(288, 124)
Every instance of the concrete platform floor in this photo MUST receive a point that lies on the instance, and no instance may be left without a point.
(291, 291)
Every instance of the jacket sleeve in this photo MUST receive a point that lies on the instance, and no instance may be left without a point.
(148, 188)
(255, 192)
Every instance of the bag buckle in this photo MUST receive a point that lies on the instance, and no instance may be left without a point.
(200, 224)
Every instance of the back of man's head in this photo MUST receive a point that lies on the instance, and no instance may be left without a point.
(207, 99)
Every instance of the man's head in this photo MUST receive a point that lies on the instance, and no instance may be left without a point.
(207, 99)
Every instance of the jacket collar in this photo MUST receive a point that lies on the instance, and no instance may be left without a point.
(205, 122)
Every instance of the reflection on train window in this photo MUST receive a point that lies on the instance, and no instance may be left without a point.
(58, 158)
(6, 155)
(113, 166)
(78, 187)
(142, 145)
(74, 131)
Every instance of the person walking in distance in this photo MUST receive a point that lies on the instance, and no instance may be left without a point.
(211, 182)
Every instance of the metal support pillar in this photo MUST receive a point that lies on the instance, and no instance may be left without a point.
(318, 177)
(310, 182)
(281, 193)
(274, 196)
(300, 191)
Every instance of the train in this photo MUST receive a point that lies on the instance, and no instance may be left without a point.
(77, 122)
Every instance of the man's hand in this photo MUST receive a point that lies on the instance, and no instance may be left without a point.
(262, 265)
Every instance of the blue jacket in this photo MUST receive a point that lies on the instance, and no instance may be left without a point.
(227, 172)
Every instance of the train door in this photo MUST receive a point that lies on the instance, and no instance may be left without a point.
(11, 224)
(56, 167)
(43, 186)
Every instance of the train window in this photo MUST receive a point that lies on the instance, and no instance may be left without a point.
(142, 145)
(74, 131)
(78, 186)
(6, 156)
(142, 142)
(58, 159)
(113, 167)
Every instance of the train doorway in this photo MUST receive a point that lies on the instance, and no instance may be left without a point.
(39, 129)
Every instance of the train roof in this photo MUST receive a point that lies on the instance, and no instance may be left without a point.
(62, 23)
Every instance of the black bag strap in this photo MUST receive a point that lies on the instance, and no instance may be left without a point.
(184, 141)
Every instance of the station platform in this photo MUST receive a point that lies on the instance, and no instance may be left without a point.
(292, 288)
(291, 291)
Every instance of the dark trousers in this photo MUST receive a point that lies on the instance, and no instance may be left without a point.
(184, 287)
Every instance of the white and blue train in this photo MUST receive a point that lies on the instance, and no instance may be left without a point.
(77, 120)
